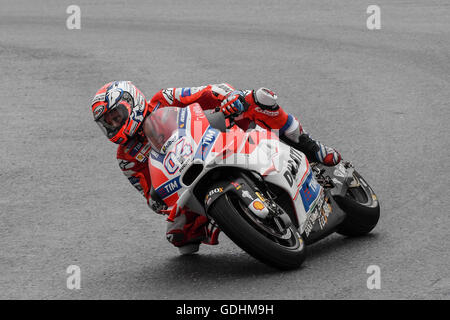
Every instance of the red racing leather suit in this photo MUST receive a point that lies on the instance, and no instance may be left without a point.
(189, 227)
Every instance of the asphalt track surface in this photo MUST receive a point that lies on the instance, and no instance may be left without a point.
(382, 97)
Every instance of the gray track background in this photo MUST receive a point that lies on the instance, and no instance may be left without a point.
(381, 97)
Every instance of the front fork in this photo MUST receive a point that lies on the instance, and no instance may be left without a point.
(258, 202)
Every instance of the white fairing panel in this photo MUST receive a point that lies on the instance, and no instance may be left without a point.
(299, 183)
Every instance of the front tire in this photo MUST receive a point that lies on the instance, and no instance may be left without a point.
(250, 237)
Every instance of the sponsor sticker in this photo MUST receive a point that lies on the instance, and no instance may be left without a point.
(156, 156)
(320, 213)
(208, 197)
(267, 112)
(182, 118)
(260, 196)
(199, 114)
(214, 191)
(246, 194)
(236, 185)
(169, 188)
(206, 143)
(141, 158)
(136, 149)
(98, 111)
(258, 205)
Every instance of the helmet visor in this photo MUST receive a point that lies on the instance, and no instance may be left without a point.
(113, 120)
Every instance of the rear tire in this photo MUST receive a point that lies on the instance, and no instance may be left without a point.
(361, 207)
(231, 220)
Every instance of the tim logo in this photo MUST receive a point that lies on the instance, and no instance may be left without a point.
(173, 185)
(169, 188)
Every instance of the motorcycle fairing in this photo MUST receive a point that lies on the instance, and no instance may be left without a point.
(256, 150)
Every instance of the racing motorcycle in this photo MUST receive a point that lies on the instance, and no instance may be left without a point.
(262, 193)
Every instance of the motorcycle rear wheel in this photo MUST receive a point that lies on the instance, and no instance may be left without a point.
(251, 237)
(361, 207)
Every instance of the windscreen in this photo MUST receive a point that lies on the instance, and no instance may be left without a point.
(160, 126)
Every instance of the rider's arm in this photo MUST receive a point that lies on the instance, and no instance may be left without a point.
(269, 115)
(209, 97)
(136, 171)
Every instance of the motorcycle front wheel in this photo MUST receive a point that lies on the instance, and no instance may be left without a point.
(262, 239)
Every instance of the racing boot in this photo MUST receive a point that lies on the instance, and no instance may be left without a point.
(314, 150)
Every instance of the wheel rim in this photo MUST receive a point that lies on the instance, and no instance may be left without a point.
(358, 193)
(269, 227)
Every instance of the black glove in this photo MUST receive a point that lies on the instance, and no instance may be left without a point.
(155, 202)
(157, 206)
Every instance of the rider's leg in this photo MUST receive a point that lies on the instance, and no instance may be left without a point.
(264, 109)
(314, 150)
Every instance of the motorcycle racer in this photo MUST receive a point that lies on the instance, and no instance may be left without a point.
(120, 109)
